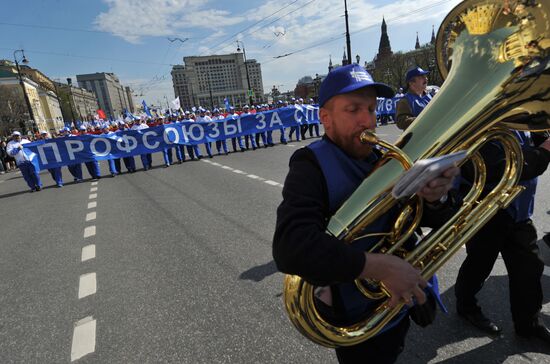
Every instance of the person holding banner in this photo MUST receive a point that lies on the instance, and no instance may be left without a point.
(281, 104)
(251, 137)
(28, 170)
(56, 171)
(236, 140)
(416, 98)
(204, 117)
(74, 169)
(220, 144)
(146, 159)
(93, 166)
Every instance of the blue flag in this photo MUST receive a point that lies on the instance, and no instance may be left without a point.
(227, 105)
(146, 109)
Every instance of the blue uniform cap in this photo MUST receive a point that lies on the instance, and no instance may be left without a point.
(350, 78)
(413, 72)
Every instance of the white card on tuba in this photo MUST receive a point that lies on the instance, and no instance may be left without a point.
(423, 171)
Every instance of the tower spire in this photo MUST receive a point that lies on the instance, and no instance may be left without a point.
(330, 67)
(344, 59)
(384, 48)
(417, 45)
(433, 36)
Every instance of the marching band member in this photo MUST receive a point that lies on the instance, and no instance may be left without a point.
(28, 170)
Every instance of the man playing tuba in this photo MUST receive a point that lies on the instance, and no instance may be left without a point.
(321, 177)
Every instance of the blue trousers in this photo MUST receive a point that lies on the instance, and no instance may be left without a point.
(146, 160)
(76, 171)
(221, 144)
(283, 136)
(129, 163)
(235, 141)
(295, 129)
(252, 138)
(208, 147)
(112, 166)
(30, 174)
(93, 169)
(56, 175)
(168, 156)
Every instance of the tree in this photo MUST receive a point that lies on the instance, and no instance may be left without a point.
(13, 110)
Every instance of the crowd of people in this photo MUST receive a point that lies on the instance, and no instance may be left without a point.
(13, 155)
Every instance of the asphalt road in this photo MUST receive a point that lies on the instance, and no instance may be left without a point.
(174, 265)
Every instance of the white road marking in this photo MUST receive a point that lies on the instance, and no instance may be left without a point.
(94, 183)
(88, 252)
(87, 285)
(546, 271)
(93, 189)
(83, 338)
(92, 196)
(206, 161)
(92, 205)
(252, 176)
(89, 231)
(91, 216)
(291, 145)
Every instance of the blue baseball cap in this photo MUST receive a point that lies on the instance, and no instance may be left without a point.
(413, 72)
(347, 79)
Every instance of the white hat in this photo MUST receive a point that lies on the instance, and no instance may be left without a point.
(16, 133)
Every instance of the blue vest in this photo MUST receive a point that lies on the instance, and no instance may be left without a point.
(418, 103)
(522, 207)
(343, 175)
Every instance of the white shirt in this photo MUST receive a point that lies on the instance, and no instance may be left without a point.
(15, 150)
(140, 126)
(204, 119)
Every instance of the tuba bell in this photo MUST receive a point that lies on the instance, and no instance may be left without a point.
(495, 58)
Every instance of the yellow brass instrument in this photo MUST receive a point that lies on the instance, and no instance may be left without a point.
(495, 58)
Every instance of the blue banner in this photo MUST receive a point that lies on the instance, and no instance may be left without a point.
(64, 151)
(387, 106)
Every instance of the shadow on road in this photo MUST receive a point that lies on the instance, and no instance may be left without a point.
(450, 333)
(259, 272)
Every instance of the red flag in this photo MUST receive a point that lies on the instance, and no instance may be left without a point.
(101, 114)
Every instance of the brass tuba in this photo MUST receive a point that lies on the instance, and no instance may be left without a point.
(495, 58)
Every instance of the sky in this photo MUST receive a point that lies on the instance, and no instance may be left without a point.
(140, 40)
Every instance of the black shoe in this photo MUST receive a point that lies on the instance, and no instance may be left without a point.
(38, 188)
(538, 331)
(478, 319)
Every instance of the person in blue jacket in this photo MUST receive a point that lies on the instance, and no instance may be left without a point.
(416, 98)
(320, 179)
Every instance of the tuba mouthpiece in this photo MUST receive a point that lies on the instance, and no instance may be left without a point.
(369, 137)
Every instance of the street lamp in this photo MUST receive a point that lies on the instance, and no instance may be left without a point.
(70, 83)
(246, 67)
(27, 101)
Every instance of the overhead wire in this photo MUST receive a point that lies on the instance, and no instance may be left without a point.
(397, 18)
